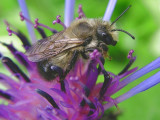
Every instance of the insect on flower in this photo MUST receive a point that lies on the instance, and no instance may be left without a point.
(56, 55)
(79, 96)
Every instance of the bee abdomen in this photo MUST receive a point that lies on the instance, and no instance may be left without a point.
(47, 71)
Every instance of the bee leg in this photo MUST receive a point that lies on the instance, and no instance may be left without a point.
(127, 66)
(87, 41)
(60, 73)
(72, 62)
(103, 46)
(92, 49)
(99, 68)
(106, 83)
(63, 86)
(107, 78)
(84, 55)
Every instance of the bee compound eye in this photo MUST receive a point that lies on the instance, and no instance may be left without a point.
(104, 34)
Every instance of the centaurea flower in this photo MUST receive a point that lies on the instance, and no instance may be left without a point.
(30, 97)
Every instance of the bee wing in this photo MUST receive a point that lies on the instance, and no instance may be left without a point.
(50, 47)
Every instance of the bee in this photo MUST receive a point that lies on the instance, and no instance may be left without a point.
(56, 55)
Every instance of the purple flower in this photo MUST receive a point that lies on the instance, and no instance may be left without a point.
(30, 97)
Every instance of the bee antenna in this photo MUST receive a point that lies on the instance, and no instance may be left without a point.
(120, 15)
(124, 32)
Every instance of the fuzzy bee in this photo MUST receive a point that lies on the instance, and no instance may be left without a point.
(56, 55)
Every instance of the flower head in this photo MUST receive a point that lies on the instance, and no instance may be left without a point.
(31, 97)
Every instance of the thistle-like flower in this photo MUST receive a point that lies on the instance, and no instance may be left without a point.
(29, 97)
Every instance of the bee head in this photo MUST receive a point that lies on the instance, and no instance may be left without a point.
(104, 36)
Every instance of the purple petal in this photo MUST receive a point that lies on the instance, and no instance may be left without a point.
(69, 12)
(66, 104)
(9, 81)
(151, 66)
(109, 10)
(24, 9)
(92, 77)
(148, 83)
(6, 113)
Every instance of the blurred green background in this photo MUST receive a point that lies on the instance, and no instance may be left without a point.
(142, 20)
